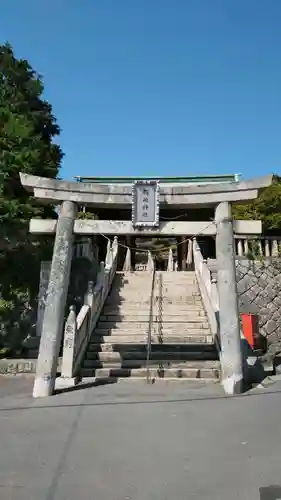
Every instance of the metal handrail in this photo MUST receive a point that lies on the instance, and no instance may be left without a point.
(150, 322)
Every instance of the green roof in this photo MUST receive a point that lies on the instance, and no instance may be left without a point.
(191, 179)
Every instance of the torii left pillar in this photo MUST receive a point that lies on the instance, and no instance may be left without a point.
(55, 303)
(231, 350)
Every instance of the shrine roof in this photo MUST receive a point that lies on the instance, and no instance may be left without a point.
(194, 179)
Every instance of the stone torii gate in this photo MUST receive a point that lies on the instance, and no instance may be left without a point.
(70, 195)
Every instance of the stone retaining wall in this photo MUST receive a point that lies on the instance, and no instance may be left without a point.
(259, 290)
(18, 366)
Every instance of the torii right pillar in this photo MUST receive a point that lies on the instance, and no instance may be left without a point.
(229, 328)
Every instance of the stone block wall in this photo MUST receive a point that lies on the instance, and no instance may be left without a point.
(259, 291)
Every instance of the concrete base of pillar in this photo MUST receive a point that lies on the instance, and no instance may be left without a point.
(233, 385)
(66, 382)
(43, 387)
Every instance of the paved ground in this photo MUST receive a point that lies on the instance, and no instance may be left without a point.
(131, 441)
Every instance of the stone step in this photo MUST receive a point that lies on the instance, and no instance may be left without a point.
(136, 272)
(156, 327)
(144, 308)
(164, 277)
(101, 333)
(175, 302)
(177, 290)
(155, 339)
(146, 297)
(171, 281)
(163, 350)
(146, 293)
(158, 356)
(158, 284)
(176, 273)
(148, 278)
(174, 323)
(176, 278)
(155, 315)
(157, 273)
(133, 363)
(117, 329)
(169, 287)
(141, 285)
(141, 334)
(172, 291)
(134, 302)
(155, 373)
(172, 318)
(171, 298)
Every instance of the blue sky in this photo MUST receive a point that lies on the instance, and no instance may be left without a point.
(157, 87)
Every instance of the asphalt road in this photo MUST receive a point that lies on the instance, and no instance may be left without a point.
(171, 441)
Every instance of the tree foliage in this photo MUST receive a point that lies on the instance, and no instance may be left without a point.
(27, 130)
(267, 207)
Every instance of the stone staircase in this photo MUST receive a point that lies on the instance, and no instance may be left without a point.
(181, 342)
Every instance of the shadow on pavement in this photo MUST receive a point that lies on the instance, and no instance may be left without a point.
(87, 385)
(270, 493)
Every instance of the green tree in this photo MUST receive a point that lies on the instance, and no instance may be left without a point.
(267, 207)
(27, 130)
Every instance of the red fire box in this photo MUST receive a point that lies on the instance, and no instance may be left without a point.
(250, 326)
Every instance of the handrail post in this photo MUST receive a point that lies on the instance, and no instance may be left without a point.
(89, 301)
(70, 333)
(150, 263)
(170, 266)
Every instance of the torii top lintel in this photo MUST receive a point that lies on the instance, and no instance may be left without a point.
(101, 195)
